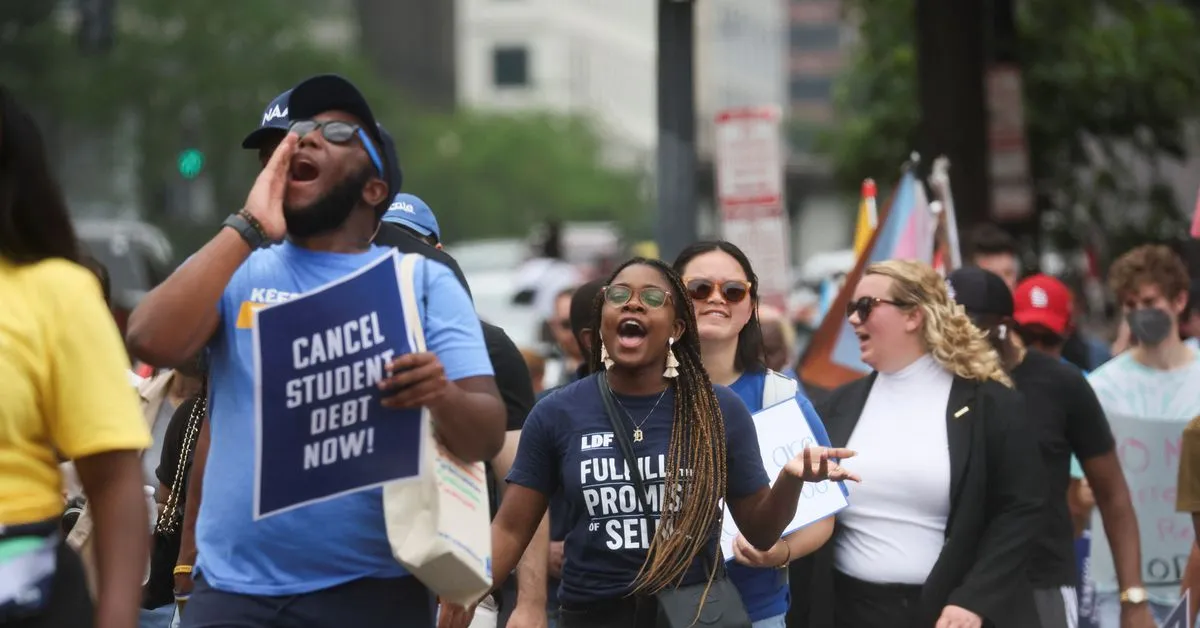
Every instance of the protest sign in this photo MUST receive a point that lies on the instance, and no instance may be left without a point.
(1178, 618)
(1149, 453)
(783, 432)
(320, 428)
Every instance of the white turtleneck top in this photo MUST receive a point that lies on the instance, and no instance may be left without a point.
(894, 528)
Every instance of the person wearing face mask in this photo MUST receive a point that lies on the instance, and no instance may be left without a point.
(1153, 382)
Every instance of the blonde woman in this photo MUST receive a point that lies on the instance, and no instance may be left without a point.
(939, 536)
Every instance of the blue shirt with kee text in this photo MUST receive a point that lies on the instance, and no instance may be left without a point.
(568, 442)
(332, 542)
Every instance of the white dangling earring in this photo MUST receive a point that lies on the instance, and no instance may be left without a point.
(604, 359)
(672, 363)
(1003, 332)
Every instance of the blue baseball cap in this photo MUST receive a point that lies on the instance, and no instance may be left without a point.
(409, 211)
(274, 124)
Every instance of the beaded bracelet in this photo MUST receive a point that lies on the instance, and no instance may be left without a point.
(248, 217)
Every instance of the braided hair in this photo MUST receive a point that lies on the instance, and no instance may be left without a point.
(697, 449)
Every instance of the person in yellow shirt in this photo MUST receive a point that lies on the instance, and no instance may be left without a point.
(64, 391)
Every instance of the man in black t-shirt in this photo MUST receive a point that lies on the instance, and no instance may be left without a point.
(1069, 420)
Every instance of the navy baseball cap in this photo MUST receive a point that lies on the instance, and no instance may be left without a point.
(274, 124)
(409, 211)
(330, 92)
(980, 292)
(395, 174)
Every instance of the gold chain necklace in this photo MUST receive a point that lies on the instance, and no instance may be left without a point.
(168, 522)
(637, 427)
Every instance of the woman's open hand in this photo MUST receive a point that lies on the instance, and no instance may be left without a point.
(817, 464)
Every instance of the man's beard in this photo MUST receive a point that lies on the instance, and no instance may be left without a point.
(328, 212)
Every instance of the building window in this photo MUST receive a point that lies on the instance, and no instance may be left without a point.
(809, 37)
(510, 66)
(811, 87)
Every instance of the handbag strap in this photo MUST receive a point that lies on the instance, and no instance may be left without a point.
(635, 474)
(610, 408)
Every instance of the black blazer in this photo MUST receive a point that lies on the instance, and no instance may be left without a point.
(995, 501)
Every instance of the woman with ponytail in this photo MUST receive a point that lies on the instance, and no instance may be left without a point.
(695, 446)
(940, 535)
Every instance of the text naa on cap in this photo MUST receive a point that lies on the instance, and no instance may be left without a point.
(1043, 300)
(330, 92)
(274, 123)
(409, 211)
(980, 292)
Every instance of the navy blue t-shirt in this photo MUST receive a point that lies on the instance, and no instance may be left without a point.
(568, 442)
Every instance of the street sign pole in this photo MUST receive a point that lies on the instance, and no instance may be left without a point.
(676, 177)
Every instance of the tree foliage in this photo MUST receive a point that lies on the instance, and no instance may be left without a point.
(490, 174)
(198, 74)
(1109, 85)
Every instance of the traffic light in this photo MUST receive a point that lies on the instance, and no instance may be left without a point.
(191, 162)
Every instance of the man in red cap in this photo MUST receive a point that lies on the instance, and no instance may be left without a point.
(1043, 308)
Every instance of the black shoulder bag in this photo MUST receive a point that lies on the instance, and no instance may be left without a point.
(684, 606)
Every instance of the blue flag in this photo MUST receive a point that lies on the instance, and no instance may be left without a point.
(321, 430)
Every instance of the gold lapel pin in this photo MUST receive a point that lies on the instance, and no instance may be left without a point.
(961, 411)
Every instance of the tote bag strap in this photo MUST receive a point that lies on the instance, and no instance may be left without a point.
(408, 297)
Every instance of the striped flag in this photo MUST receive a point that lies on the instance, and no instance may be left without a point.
(905, 232)
(868, 218)
(1195, 231)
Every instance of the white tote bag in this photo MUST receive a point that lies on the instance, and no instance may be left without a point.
(439, 527)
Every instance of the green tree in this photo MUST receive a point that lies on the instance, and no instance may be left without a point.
(490, 174)
(1109, 87)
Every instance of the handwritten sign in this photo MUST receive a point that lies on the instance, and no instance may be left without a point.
(784, 432)
(321, 430)
(1149, 453)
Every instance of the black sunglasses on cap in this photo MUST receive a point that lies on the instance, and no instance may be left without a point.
(618, 295)
(864, 306)
(339, 132)
(733, 291)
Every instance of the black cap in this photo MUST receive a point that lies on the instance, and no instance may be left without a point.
(395, 175)
(330, 92)
(980, 292)
(274, 124)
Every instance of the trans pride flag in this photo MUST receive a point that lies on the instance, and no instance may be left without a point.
(906, 232)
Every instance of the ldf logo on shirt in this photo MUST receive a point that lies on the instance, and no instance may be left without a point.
(599, 440)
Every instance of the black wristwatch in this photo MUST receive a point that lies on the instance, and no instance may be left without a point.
(247, 227)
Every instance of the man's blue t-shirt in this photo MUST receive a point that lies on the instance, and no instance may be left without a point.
(765, 592)
(326, 544)
(568, 442)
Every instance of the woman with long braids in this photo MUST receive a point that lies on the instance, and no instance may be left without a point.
(694, 444)
(724, 293)
(940, 536)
